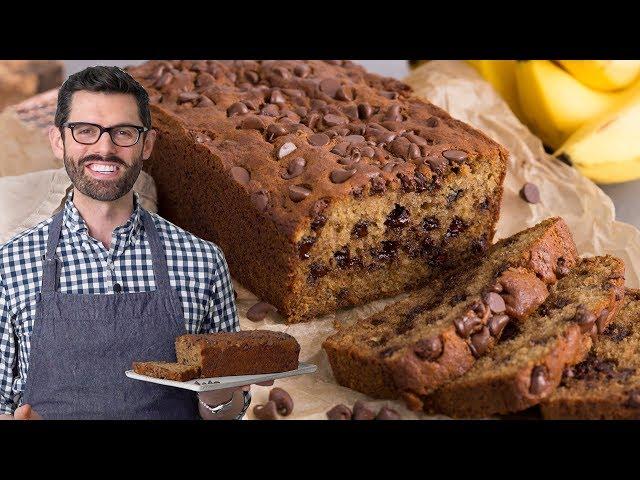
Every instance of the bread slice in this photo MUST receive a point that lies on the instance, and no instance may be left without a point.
(168, 371)
(606, 385)
(435, 335)
(527, 364)
(248, 352)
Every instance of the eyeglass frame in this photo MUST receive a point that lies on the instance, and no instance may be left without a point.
(102, 129)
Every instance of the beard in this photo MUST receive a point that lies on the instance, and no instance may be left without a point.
(102, 190)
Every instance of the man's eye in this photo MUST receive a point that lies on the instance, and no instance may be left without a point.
(85, 130)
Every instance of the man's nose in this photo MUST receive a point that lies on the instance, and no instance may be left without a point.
(104, 146)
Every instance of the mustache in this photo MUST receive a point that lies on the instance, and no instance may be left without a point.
(100, 158)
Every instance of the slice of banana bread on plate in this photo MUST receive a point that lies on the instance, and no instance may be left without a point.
(527, 364)
(606, 385)
(436, 334)
(167, 370)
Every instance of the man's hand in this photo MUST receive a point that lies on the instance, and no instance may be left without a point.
(217, 397)
(23, 412)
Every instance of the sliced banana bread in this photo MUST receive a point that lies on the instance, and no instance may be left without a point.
(606, 385)
(414, 346)
(249, 352)
(167, 370)
(527, 364)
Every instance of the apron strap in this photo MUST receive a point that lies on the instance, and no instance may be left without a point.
(50, 263)
(160, 269)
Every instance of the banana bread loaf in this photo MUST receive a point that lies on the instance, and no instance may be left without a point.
(247, 352)
(606, 385)
(326, 186)
(527, 364)
(435, 335)
(167, 370)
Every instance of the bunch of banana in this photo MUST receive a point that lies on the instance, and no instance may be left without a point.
(586, 111)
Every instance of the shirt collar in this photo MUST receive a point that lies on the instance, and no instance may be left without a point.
(74, 222)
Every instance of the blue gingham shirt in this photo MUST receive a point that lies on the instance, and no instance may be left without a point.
(197, 270)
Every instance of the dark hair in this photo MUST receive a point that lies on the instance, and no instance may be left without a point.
(101, 79)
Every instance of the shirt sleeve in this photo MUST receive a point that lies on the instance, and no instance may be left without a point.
(7, 354)
(222, 313)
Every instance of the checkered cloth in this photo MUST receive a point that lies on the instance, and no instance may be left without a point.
(197, 270)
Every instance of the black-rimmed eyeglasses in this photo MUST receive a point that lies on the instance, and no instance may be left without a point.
(89, 133)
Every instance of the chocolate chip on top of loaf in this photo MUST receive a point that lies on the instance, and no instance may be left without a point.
(249, 352)
(416, 345)
(326, 186)
(527, 364)
(606, 384)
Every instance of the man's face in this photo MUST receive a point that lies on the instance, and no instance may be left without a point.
(83, 162)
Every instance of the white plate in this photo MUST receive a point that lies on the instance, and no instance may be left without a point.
(216, 383)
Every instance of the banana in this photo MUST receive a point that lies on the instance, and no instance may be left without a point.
(607, 150)
(501, 74)
(554, 104)
(605, 75)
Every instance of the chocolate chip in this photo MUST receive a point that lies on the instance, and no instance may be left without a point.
(584, 318)
(259, 311)
(304, 246)
(339, 412)
(368, 152)
(432, 122)
(277, 97)
(495, 302)
(456, 227)
(414, 151)
(329, 86)
(252, 123)
(270, 111)
(341, 176)
(467, 324)
(430, 223)
(398, 218)
(333, 120)
(296, 167)
(252, 76)
(268, 411)
(286, 149)
(237, 108)
(437, 165)
(360, 229)
(393, 113)
(298, 193)
(204, 101)
(274, 131)
(480, 342)
(260, 200)
(282, 72)
(318, 139)
(634, 398)
(429, 348)
(165, 79)
(351, 111)
(602, 320)
(387, 413)
(362, 412)
(497, 324)
(617, 332)
(302, 70)
(354, 158)
(344, 94)
(562, 269)
(282, 399)
(240, 175)
(457, 156)
(530, 193)
(364, 111)
(539, 380)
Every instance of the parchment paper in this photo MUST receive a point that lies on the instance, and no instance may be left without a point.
(590, 214)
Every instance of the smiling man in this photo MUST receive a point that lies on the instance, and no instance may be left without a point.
(104, 282)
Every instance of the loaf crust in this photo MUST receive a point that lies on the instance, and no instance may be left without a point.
(526, 367)
(248, 352)
(606, 385)
(423, 190)
(435, 335)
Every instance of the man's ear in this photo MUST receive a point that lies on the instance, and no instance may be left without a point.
(149, 141)
(57, 143)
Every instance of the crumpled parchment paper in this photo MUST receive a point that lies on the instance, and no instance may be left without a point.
(456, 87)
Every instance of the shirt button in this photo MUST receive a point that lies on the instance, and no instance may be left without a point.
(117, 287)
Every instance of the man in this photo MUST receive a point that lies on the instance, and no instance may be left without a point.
(103, 282)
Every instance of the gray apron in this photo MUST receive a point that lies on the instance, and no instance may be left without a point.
(82, 344)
